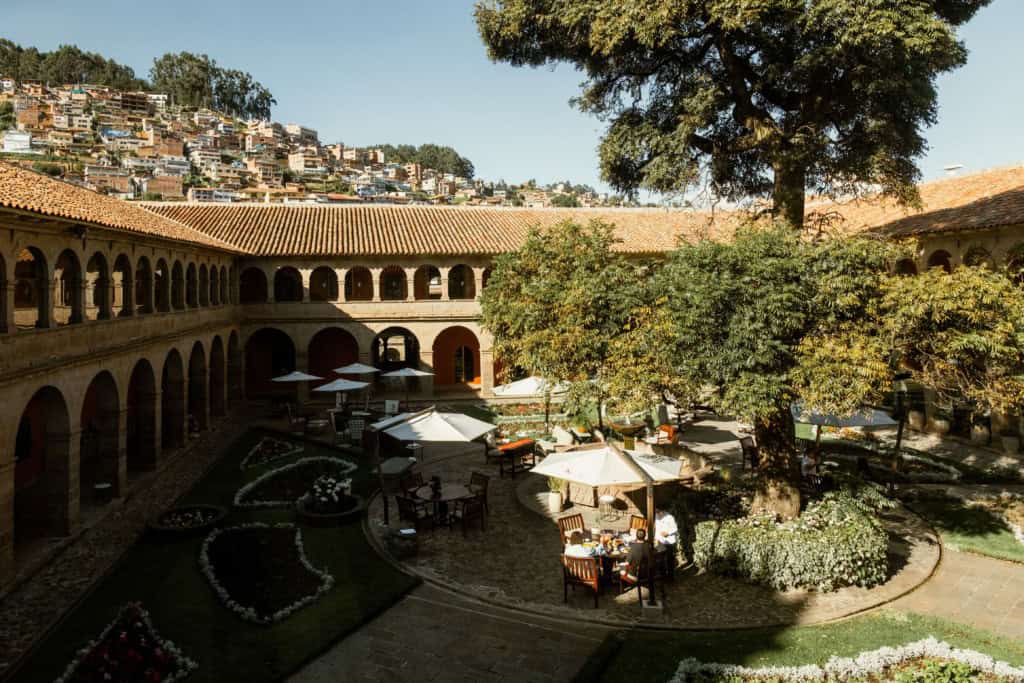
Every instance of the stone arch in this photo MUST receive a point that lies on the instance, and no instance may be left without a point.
(269, 352)
(393, 284)
(486, 276)
(978, 256)
(162, 287)
(67, 278)
(31, 290)
(214, 286)
(143, 286)
(141, 418)
(43, 501)
(172, 401)
(225, 296)
(905, 266)
(191, 286)
(234, 368)
(456, 357)
(204, 286)
(218, 379)
(97, 275)
(395, 348)
(198, 406)
(100, 438)
(287, 285)
(178, 286)
(461, 282)
(323, 285)
(358, 284)
(941, 259)
(426, 283)
(1015, 263)
(124, 287)
(253, 286)
(331, 347)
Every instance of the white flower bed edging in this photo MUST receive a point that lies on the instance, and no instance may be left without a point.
(187, 665)
(252, 452)
(249, 613)
(345, 466)
(952, 473)
(863, 665)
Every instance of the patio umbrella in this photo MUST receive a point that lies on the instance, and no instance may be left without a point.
(340, 386)
(406, 373)
(358, 369)
(868, 418)
(531, 387)
(433, 425)
(296, 377)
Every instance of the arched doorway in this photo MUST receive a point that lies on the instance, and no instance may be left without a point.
(323, 285)
(124, 283)
(178, 286)
(198, 408)
(456, 357)
(940, 259)
(393, 285)
(395, 348)
(97, 303)
(253, 286)
(287, 285)
(358, 284)
(141, 422)
(67, 275)
(31, 290)
(172, 402)
(41, 469)
(978, 256)
(234, 368)
(218, 379)
(191, 286)
(426, 283)
(269, 353)
(143, 287)
(214, 286)
(461, 283)
(98, 443)
(162, 286)
(204, 286)
(906, 266)
(331, 348)
(486, 276)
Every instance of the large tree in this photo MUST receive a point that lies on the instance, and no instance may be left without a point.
(761, 98)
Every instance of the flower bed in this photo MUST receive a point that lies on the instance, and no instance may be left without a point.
(261, 572)
(283, 486)
(269, 449)
(835, 542)
(188, 519)
(129, 650)
(925, 660)
(328, 502)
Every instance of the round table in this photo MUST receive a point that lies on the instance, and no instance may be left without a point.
(449, 492)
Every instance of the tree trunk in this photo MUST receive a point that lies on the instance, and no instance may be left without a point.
(788, 194)
(776, 444)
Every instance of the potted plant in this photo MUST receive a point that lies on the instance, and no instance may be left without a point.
(554, 495)
(1010, 439)
(941, 422)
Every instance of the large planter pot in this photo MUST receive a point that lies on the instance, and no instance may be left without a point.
(554, 502)
(916, 420)
(1011, 444)
(165, 525)
(979, 434)
(318, 519)
(941, 426)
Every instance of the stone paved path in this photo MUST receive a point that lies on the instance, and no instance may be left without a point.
(433, 635)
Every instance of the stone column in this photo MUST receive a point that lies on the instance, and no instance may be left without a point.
(302, 365)
(6, 522)
(7, 292)
(444, 283)
(478, 282)
(63, 465)
(340, 274)
(47, 293)
(410, 284)
(79, 289)
(158, 428)
(270, 285)
(486, 372)
(375, 277)
(305, 274)
(113, 448)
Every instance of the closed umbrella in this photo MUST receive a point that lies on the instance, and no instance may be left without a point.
(405, 374)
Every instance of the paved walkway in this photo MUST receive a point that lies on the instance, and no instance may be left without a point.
(433, 635)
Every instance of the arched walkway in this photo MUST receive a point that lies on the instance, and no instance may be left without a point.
(143, 287)
(287, 285)
(978, 256)
(124, 283)
(204, 286)
(162, 287)
(67, 275)
(941, 259)
(331, 348)
(234, 368)
(172, 402)
(269, 353)
(358, 284)
(456, 357)
(395, 348)
(323, 285)
(393, 285)
(98, 443)
(97, 274)
(141, 418)
(253, 286)
(191, 286)
(42, 469)
(178, 287)
(906, 266)
(426, 283)
(461, 283)
(198, 408)
(31, 290)
(218, 379)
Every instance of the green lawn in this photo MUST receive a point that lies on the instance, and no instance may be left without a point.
(165, 577)
(653, 656)
(971, 529)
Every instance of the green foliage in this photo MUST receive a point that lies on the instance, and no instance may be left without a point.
(52, 170)
(197, 81)
(836, 542)
(564, 201)
(66, 64)
(444, 159)
(937, 671)
(767, 98)
(8, 119)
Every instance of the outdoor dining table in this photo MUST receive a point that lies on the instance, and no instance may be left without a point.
(449, 492)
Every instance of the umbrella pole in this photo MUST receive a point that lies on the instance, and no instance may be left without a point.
(651, 599)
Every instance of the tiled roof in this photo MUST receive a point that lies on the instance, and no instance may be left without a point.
(267, 230)
(988, 199)
(34, 192)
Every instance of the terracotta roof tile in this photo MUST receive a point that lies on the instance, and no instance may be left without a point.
(30, 191)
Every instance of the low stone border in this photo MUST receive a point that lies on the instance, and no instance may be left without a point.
(317, 519)
(165, 530)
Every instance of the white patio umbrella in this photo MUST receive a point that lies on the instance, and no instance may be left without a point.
(433, 425)
(406, 373)
(358, 369)
(609, 466)
(868, 418)
(296, 377)
(340, 386)
(529, 386)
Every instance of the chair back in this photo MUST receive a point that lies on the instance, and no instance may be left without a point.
(412, 480)
(478, 479)
(569, 523)
(407, 509)
(637, 522)
(750, 454)
(472, 507)
(581, 569)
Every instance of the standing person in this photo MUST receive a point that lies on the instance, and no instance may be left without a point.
(666, 535)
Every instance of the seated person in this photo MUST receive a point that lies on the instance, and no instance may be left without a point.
(809, 463)
(639, 555)
(575, 547)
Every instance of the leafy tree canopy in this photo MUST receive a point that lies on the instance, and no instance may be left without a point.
(443, 159)
(66, 64)
(198, 81)
(765, 98)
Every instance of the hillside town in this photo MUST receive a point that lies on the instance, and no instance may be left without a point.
(141, 146)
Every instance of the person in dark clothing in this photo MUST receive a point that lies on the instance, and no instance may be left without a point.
(639, 555)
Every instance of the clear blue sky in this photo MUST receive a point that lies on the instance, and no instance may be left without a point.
(412, 72)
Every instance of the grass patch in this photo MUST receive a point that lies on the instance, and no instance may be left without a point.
(652, 656)
(971, 529)
(163, 574)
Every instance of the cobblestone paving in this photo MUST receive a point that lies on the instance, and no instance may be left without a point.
(37, 602)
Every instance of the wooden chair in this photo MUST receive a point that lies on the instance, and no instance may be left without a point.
(580, 571)
(410, 482)
(569, 523)
(415, 512)
(648, 571)
(750, 454)
(466, 510)
(637, 522)
(478, 484)
(296, 423)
